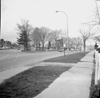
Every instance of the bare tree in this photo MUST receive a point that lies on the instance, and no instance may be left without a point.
(95, 22)
(74, 43)
(77, 42)
(70, 42)
(97, 13)
(39, 36)
(54, 36)
(97, 38)
(85, 36)
(43, 35)
(35, 36)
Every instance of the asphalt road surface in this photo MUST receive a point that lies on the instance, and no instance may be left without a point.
(14, 58)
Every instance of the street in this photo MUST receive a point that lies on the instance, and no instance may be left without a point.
(14, 58)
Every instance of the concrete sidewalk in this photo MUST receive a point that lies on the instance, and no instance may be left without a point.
(74, 83)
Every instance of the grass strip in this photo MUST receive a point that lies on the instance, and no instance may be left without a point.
(71, 58)
(30, 82)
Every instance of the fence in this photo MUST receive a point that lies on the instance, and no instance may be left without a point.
(97, 66)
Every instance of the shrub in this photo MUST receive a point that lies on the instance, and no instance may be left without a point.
(95, 91)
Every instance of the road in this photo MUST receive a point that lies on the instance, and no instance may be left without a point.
(14, 58)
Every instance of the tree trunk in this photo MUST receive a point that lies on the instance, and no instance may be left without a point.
(84, 45)
(39, 48)
(42, 46)
(25, 46)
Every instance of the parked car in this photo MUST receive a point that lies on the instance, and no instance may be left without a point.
(61, 50)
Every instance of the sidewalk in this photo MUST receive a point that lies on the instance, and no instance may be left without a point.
(74, 83)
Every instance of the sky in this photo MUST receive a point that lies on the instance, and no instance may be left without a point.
(42, 13)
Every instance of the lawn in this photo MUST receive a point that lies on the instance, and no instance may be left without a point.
(33, 81)
(71, 58)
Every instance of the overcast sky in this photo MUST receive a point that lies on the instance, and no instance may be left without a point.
(42, 13)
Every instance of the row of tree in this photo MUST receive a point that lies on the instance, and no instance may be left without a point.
(44, 37)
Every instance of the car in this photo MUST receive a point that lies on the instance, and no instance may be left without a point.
(61, 50)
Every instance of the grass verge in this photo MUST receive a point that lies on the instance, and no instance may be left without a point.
(33, 81)
(71, 58)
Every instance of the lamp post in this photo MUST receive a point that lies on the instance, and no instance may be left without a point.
(67, 31)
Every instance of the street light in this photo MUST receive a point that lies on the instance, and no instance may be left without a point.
(67, 30)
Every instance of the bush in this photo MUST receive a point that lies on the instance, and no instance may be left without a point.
(95, 91)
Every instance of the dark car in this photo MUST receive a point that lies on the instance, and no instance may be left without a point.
(61, 50)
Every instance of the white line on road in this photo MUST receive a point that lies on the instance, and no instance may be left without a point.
(16, 57)
(4, 57)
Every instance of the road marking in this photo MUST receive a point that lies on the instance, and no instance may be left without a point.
(17, 56)
(4, 57)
